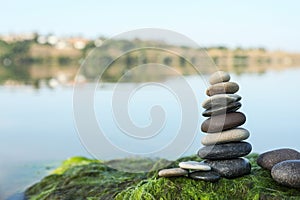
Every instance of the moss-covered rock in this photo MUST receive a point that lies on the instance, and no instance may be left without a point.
(81, 178)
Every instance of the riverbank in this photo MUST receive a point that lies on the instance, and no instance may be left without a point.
(28, 61)
(82, 178)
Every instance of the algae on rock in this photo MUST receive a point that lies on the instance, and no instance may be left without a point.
(80, 178)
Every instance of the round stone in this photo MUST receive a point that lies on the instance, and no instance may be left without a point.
(230, 168)
(218, 77)
(232, 107)
(172, 172)
(268, 159)
(225, 151)
(219, 100)
(232, 135)
(194, 165)
(223, 122)
(287, 173)
(222, 88)
(210, 176)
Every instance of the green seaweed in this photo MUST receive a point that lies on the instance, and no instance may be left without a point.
(74, 161)
(80, 178)
(84, 179)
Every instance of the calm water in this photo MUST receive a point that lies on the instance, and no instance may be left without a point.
(37, 127)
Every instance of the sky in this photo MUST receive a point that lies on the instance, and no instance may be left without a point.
(274, 24)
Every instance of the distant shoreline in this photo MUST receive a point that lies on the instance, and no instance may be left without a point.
(31, 60)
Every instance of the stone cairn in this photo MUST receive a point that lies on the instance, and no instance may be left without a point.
(223, 145)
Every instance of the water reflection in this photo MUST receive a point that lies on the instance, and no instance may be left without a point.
(37, 125)
(31, 62)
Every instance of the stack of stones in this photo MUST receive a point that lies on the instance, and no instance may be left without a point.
(224, 145)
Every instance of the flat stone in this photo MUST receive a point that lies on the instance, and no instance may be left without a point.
(219, 100)
(268, 159)
(218, 77)
(210, 176)
(194, 165)
(222, 88)
(225, 151)
(230, 168)
(223, 122)
(232, 135)
(172, 172)
(232, 107)
(287, 173)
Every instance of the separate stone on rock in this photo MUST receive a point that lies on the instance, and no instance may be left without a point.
(287, 173)
(210, 176)
(194, 165)
(219, 100)
(223, 122)
(218, 77)
(172, 172)
(232, 107)
(225, 151)
(230, 168)
(268, 159)
(222, 88)
(232, 135)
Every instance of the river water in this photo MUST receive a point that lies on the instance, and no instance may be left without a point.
(37, 128)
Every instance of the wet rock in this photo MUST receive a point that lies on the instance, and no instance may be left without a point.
(223, 122)
(230, 168)
(210, 176)
(225, 151)
(194, 165)
(268, 159)
(218, 77)
(172, 172)
(232, 135)
(219, 100)
(287, 173)
(222, 88)
(232, 107)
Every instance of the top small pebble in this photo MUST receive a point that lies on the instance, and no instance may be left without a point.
(219, 77)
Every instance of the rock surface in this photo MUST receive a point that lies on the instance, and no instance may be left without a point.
(225, 151)
(172, 172)
(287, 173)
(230, 168)
(194, 165)
(223, 122)
(268, 159)
(232, 107)
(232, 135)
(222, 88)
(91, 179)
(205, 176)
(219, 100)
(218, 77)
